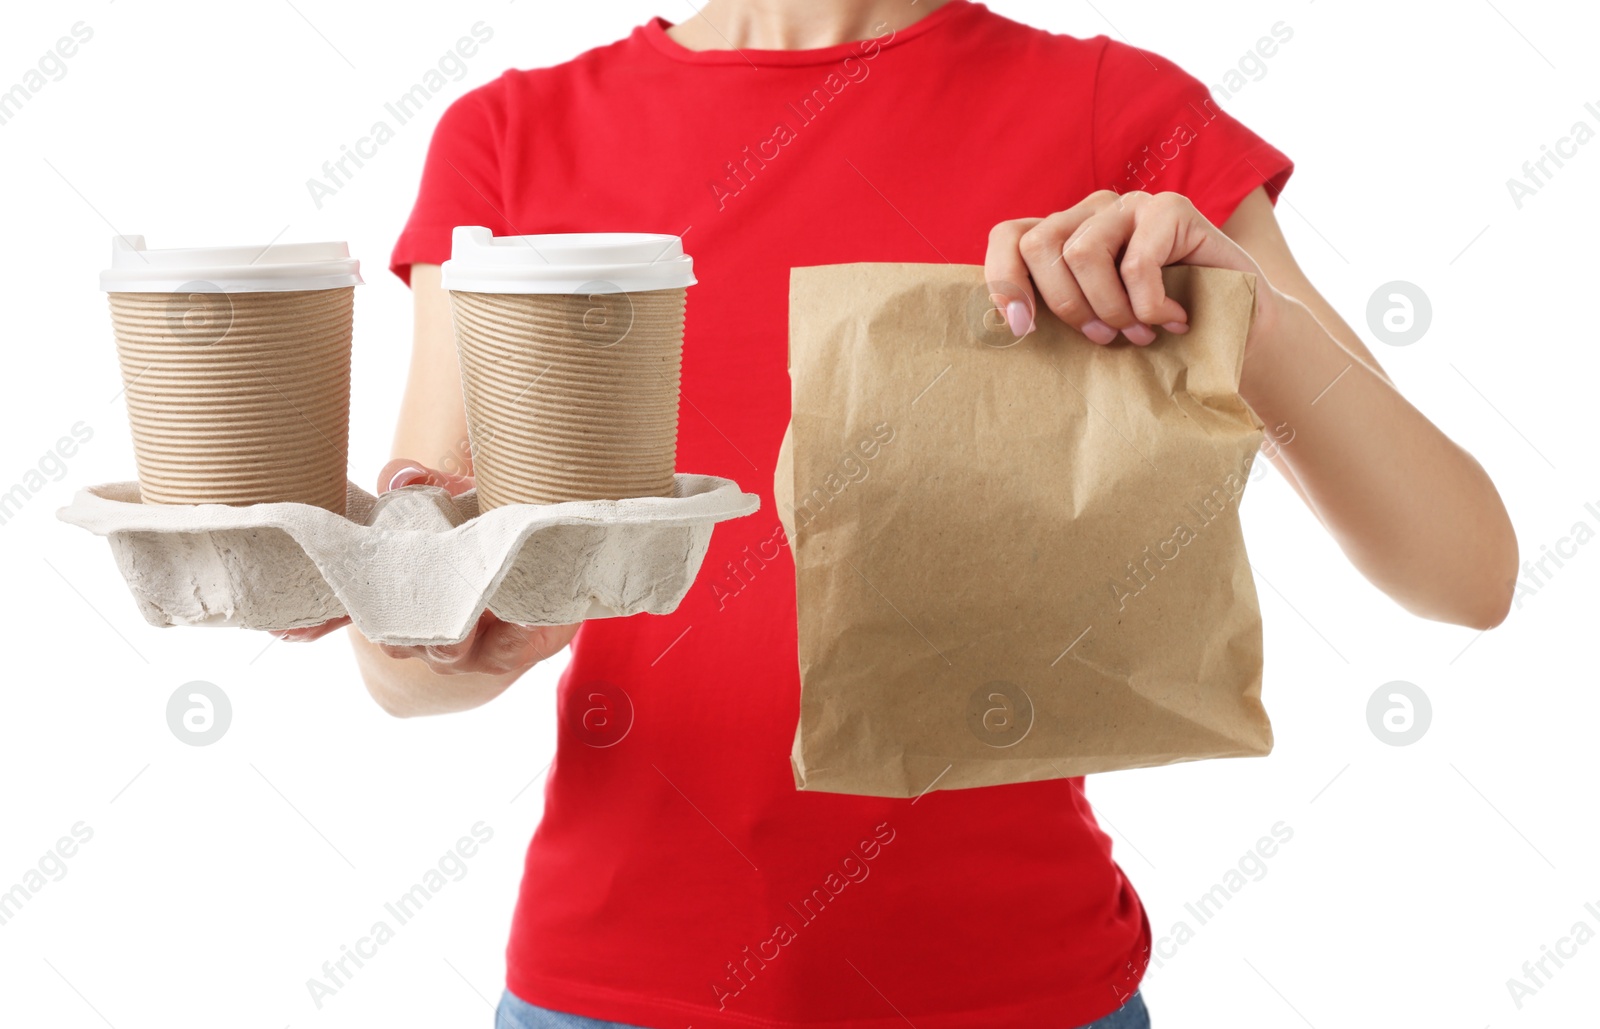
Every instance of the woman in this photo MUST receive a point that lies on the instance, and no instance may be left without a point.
(678, 878)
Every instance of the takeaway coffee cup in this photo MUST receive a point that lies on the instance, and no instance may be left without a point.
(570, 347)
(236, 368)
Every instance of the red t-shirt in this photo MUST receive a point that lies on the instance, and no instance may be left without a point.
(678, 877)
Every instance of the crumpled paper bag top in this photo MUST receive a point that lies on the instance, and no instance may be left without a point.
(1015, 559)
(412, 567)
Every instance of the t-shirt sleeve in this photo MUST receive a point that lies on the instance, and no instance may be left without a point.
(1158, 129)
(461, 182)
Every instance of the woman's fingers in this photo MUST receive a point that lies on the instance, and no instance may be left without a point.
(1090, 255)
(308, 633)
(493, 647)
(445, 659)
(1007, 274)
(1161, 226)
(397, 473)
(402, 471)
(503, 646)
(1025, 254)
(453, 658)
(1058, 289)
(1098, 264)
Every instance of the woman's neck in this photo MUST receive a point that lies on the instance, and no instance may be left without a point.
(794, 24)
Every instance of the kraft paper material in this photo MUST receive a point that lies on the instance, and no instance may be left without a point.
(238, 398)
(570, 397)
(1014, 559)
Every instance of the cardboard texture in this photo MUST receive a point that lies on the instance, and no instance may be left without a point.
(1014, 560)
(412, 567)
(570, 397)
(238, 398)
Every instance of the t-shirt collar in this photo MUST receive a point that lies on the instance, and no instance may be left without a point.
(655, 33)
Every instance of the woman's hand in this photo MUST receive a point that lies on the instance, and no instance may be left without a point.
(493, 647)
(457, 676)
(307, 633)
(403, 471)
(1412, 510)
(397, 473)
(1097, 265)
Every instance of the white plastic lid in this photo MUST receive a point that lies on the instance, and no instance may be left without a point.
(273, 268)
(564, 262)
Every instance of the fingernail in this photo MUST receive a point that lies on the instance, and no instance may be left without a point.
(1179, 327)
(1019, 318)
(1139, 335)
(1099, 332)
(409, 475)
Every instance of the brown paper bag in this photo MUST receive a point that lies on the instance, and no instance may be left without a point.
(1015, 560)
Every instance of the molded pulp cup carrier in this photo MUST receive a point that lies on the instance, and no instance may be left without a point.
(570, 347)
(236, 368)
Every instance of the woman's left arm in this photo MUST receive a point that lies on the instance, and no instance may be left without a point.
(1412, 510)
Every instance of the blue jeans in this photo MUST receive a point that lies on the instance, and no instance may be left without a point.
(515, 1013)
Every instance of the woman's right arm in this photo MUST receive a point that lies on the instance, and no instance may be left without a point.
(430, 446)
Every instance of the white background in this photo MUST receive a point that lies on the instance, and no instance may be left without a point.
(1419, 878)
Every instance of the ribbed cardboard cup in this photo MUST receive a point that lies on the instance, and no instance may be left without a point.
(570, 397)
(244, 399)
(570, 347)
